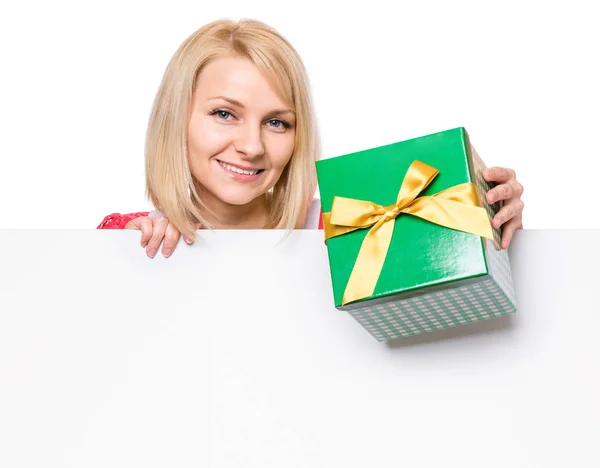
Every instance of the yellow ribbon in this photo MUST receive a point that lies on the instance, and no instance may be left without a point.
(457, 207)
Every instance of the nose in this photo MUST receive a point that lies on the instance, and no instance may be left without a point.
(249, 140)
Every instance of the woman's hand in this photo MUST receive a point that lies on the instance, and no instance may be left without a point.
(509, 191)
(154, 231)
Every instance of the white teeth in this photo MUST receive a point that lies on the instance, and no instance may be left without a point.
(237, 170)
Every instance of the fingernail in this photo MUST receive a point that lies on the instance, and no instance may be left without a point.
(187, 241)
(167, 252)
(151, 253)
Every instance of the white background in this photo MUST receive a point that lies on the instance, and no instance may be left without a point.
(78, 78)
(111, 359)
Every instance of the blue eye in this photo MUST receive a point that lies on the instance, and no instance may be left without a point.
(276, 123)
(222, 114)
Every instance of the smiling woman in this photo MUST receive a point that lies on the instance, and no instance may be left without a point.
(232, 142)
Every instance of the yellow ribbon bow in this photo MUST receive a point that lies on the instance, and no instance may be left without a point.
(457, 207)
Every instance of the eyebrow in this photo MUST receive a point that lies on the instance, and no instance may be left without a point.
(239, 104)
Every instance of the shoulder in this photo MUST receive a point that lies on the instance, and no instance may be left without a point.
(313, 217)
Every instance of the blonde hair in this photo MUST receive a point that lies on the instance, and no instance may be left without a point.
(169, 181)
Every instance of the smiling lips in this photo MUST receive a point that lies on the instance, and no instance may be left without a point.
(241, 173)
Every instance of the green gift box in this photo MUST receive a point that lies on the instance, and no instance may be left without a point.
(431, 276)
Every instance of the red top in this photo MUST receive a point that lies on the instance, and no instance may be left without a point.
(119, 221)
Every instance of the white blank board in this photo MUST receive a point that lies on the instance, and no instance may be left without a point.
(231, 354)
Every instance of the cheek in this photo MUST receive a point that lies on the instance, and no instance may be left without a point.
(204, 141)
(281, 150)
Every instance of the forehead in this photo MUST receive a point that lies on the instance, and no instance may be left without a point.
(237, 78)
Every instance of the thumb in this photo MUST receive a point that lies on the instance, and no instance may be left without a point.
(134, 224)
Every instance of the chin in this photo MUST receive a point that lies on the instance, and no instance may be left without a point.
(239, 198)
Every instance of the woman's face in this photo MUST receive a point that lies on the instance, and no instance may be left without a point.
(241, 135)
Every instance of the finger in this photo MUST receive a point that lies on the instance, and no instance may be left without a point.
(172, 236)
(512, 189)
(509, 230)
(144, 224)
(507, 212)
(498, 174)
(134, 223)
(146, 227)
(159, 225)
(189, 241)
